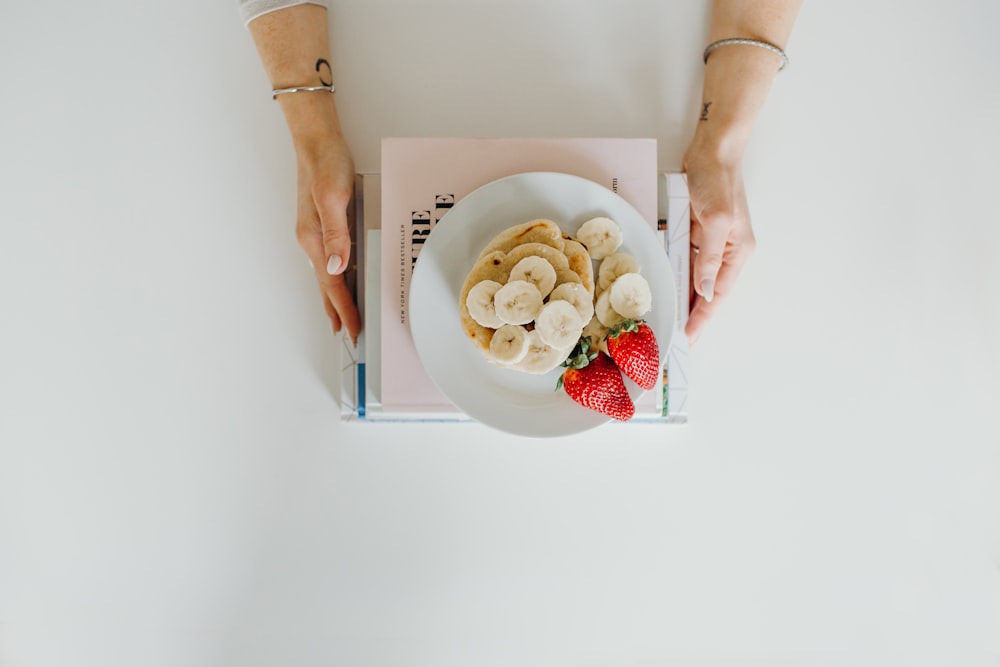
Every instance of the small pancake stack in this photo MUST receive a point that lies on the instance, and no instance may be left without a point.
(528, 297)
(531, 293)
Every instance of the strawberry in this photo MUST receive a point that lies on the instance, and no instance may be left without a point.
(592, 380)
(633, 347)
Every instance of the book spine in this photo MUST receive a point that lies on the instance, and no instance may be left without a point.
(352, 381)
(678, 233)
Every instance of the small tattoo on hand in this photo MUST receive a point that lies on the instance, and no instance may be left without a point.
(704, 111)
(329, 73)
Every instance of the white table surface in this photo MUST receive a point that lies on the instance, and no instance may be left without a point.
(176, 488)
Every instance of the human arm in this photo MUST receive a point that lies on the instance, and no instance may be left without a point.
(293, 45)
(737, 82)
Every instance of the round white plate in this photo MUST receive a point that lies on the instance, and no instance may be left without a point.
(510, 401)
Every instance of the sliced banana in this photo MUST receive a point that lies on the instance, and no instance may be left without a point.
(509, 344)
(559, 324)
(630, 295)
(614, 265)
(597, 332)
(576, 294)
(601, 235)
(518, 302)
(541, 357)
(535, 270)
(479, 301)
(606, 315)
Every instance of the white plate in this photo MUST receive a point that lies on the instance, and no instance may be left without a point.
(510, 401)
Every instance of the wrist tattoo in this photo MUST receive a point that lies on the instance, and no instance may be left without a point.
(704, 111)
(323, 65)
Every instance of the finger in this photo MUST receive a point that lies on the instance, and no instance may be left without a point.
(338, 301)
(702, 309)
(312, 244)
(715, 231)
(336, 235)
(343, 303)
(692, 295)
(331, 312)
(311, 241)
(696, 320)
(695, 239)
(695, 242)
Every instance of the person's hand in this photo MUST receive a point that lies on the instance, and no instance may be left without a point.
(293, 44)
(721, 237)
(325, 188)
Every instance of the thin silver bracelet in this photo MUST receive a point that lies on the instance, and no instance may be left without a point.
(750, 42)
(300, 89)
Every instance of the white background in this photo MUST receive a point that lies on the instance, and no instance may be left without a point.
(176, 488)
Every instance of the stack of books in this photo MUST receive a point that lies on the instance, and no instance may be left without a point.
(421, 179)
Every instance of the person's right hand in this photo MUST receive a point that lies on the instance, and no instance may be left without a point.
(325, 188)
(721, 236)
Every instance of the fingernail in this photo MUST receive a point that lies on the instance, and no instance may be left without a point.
(333, 264)
(311, 265)
(708, 289)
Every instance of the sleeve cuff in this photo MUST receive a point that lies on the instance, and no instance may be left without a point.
(251, 9)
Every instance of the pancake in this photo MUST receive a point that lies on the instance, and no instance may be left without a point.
(580, 262)
(567, 276)
(497, 266)
(555, 257)
(541, 231)
(490, 266)
(536, 238)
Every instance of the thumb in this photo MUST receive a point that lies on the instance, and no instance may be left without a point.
(715, 231)
(336, 235)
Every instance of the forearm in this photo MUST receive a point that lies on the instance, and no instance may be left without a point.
(738, 78)
(294, 48)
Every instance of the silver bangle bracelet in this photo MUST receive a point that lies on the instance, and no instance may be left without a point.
(749, 42)
(300, 89)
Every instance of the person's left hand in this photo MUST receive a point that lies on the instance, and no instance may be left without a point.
(325, 188)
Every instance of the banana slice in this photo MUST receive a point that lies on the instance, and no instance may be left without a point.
(606, 315)
(598, 334)
(614, 265)
(480, 303)
(509, 344)
(576, 294)
(601, 235)
(541, 357)
(535, 270)
(517, 302)
(630, 295)
(559, 324)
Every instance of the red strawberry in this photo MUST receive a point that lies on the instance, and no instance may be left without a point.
(633, 347)
(592, 380)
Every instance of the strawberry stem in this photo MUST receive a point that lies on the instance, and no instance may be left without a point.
(624, 325)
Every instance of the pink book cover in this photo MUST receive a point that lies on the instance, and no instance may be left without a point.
(422, 178)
